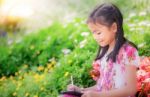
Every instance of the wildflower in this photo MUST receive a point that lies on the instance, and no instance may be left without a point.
(143, 76)
(66, 51)
(95, 73)
(69, 61)
(40, 68)
(132, 14)
(84, 34)
(66, 74)
(25, 66)
(143, 13)
(38, 52)
(42, 88)
(11, 77)
(49, 65)
(35, 96)
(3, 78)
(32, 47)
(19, 84)
(20, 77)
(27, 94)
(14, 94)
(16, 73)
(53, 62)
(82, 43)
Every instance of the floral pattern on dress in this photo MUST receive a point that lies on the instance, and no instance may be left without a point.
(112, 74)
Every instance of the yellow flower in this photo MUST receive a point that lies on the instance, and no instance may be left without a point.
(69, 61)
(46, 70)
(40, 68)
(49, 65)
(19, 71)
(38, 77)
(35, 96)
(38, 52)
(19, 84)
(11, 77)
(14, 94)
(66, 74)
(27, 94)
(14, 81)
(20, 77)
(3, 78)
(25, 66)
(17, 88)
(53, 62)
(32, 47)
(42, 88)
(16, 73)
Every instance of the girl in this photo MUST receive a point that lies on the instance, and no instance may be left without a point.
(117, 58)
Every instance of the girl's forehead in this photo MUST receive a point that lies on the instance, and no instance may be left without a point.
(96, 26)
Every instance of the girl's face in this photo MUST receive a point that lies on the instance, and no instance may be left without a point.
(102, 34)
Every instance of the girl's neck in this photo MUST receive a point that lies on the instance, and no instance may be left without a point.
(111, 46)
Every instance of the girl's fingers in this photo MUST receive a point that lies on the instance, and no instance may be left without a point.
(73, 88)
(70, 87)
(83, 95)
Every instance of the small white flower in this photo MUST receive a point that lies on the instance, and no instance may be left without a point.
(141, 45)
(85, 34)
(18, 40)
(140, 29)
(132, 14)
(82, 43)
(58, 64)
(131, 25)
(10, 41)
(148, 24)
(70, 37)
(143, 13)
(132, 29)
(48, 38)
(143, 23)
(76, 24)
(66, 51)
(75, 40)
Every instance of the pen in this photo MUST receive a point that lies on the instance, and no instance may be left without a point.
(71, 80)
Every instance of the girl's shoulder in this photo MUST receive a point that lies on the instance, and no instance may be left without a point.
(128, 47)
(128, 54)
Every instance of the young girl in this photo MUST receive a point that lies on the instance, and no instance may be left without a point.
(117, 59)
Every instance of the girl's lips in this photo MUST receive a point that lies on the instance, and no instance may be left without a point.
(100, 41)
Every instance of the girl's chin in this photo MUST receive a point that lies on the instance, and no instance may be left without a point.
(102, 44)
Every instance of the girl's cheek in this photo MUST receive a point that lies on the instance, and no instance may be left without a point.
(96, 37)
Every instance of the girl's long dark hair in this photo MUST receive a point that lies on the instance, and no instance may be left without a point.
(107, 14)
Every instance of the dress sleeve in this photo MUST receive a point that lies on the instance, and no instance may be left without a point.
(131, 56)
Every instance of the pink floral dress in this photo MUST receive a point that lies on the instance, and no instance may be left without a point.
(112, 75)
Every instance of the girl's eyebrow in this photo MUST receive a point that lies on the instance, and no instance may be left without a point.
(95, 31)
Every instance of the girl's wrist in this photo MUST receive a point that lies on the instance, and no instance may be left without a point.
(82, 89)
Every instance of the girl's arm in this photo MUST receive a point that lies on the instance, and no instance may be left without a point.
(128, 90)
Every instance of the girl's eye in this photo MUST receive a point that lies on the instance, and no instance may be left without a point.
(99, 33)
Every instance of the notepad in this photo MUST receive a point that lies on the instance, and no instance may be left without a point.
(73, 93)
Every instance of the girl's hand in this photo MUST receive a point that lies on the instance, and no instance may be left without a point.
(87, 94)
(71, 87)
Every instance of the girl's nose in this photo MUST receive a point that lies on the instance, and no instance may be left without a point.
(98, 38)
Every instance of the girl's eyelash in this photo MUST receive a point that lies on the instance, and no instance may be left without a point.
(99, 33)
(96, 33)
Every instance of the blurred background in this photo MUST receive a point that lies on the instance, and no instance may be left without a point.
(44, 42)
(26, 16)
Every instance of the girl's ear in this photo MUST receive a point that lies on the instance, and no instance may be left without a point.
(114, 27)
